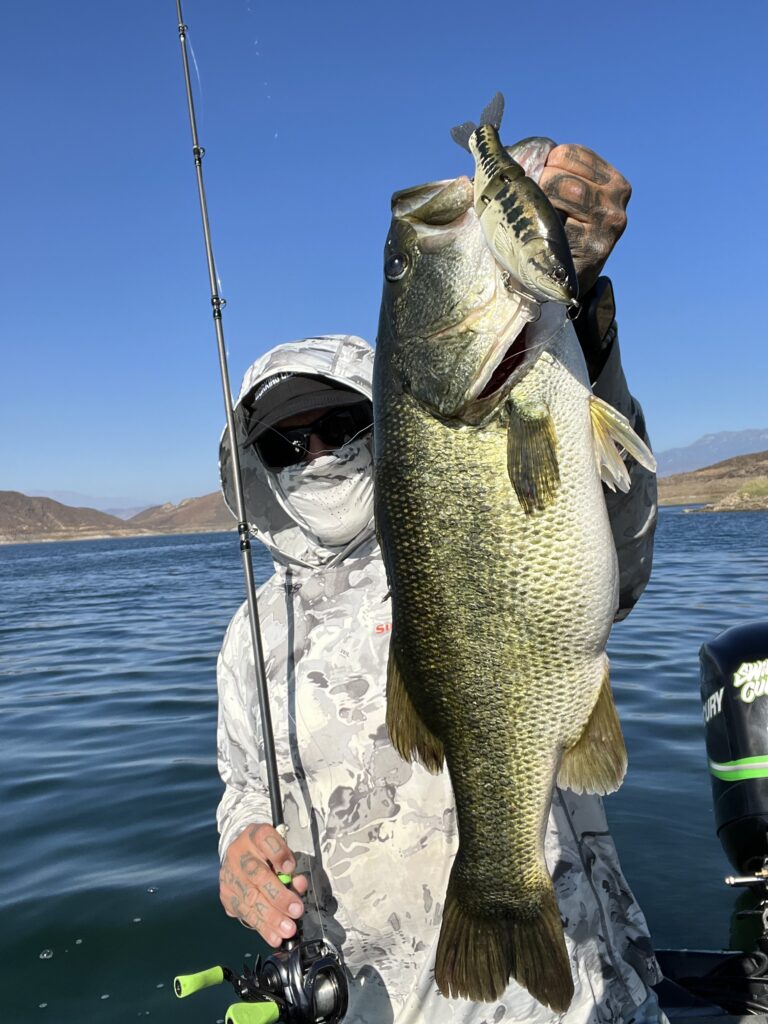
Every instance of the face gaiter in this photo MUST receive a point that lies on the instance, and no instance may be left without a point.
(332, 496)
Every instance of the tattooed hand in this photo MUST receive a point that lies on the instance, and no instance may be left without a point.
(250, 889)
(593, 196)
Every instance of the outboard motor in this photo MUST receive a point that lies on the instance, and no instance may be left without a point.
(734, 697)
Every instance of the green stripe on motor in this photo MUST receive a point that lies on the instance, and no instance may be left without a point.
(743, 768)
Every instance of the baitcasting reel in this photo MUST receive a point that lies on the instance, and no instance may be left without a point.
(303, 982)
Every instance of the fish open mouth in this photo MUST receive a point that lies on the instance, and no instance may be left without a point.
(510, 361)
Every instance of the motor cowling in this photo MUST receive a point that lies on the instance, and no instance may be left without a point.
(734, 696)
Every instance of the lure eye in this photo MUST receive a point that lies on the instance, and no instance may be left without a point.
(395, 266)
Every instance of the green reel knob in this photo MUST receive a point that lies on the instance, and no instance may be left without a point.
(188, 984)
(285, 879)
(252, 1013)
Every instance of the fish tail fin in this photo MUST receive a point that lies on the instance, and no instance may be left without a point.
(409, 736)
(462, 134)
(609, 426)
(597, 762)
(476, 956)
(493, 112)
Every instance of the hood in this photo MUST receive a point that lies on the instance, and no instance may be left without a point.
(341, 358)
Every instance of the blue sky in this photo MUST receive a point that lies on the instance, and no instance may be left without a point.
(311, 115)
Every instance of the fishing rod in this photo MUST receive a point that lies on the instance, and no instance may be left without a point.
(303, 982)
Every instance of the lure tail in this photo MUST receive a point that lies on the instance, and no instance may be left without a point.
(492, 114)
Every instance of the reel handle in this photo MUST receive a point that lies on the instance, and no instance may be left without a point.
(187, 984)
(252, 1013)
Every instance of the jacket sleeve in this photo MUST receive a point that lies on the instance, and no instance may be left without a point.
(632, 515)
(239, 744)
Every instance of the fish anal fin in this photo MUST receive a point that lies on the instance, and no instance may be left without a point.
(476, 956)
(597, 762)
(532, 461)
(609, 428)
(409, 736)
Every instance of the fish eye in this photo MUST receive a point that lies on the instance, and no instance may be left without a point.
(395, 266)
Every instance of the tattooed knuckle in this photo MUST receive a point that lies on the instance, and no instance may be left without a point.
(615, 221)
(256, 832)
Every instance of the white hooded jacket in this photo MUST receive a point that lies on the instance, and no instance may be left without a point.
(377, 835)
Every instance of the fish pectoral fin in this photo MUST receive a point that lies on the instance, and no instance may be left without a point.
(532, 454)
(597, 762)
(609, 426)
(409, 736)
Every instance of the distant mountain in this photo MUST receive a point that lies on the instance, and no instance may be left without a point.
(31, 518)
(120, 506)
(190, 516)
(734, 484)
(710, 449)
(125, 513)
(24, 517)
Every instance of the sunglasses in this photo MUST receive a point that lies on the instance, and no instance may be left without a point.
(290, 445)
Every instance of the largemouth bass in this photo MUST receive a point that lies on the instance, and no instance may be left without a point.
(518, 220)
(489, 449)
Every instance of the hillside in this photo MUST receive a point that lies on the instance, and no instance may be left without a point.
(28, 518)
(24, 518)
(740, 483)
(208, 513)
(710, 449)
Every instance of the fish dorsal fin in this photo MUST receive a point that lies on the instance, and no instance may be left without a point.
(462, 133)
(494, 112)
(609, 426)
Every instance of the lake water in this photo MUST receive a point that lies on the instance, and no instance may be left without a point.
(108, 784)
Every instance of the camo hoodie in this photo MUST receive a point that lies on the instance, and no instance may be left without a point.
(377, 836)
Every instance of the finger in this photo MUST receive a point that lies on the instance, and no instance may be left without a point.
(283, 900)
(256, 912)
(300, 884)
(585, 163)
(268, 842)
(573, 196)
